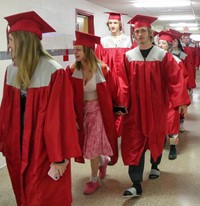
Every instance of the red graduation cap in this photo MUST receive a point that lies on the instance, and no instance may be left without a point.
(114, 15)
(178, 34)
(155, 33)
(166, 35)
(30, 22)
(141, 20)
(186, 34)
(86, 39)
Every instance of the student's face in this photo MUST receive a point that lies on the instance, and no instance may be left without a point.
(79, 53)
(11, 45)
(163, 44)
(175, 44)
(114, 26)
(186, 40)
(142, 35)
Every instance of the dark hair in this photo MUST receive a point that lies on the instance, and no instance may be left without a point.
(180, 45)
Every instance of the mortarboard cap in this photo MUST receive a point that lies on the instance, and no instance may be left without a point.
(141, 20)
(86, 39)
(186, 34)
(30, 22)
(166, 35)
(155, 33)
(114, 15)
(178, 34)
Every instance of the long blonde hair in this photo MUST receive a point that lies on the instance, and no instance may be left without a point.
(28, 50)
(90, 59)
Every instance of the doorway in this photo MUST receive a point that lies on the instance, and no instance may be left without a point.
(84, 21)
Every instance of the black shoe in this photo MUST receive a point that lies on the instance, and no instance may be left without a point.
(134, 191)
(154, 174)
(172, 152)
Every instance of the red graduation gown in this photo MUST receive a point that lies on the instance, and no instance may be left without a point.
(49, 135)
(173, 120)
(107, 95)
(152, 83)
(192, 63)
(112, 53)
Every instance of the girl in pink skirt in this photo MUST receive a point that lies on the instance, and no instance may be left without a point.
(95, 94)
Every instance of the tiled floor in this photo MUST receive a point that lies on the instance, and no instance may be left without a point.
(178, 185)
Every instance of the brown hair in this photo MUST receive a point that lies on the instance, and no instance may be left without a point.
(90, 59)
(28, 50)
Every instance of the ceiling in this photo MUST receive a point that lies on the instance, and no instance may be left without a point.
(126, 6)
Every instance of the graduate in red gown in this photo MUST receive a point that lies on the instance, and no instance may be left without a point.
(37, 120)
(166, 39)
(154, 78)
(177, 50)
(95, 95)
(111, 51)
(190, 50)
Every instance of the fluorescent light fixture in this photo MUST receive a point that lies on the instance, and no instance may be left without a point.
(176, 17)
(190, 28)
(178, 28)
(195, 37)
(155, 4)
(182, 24)
(193, 28)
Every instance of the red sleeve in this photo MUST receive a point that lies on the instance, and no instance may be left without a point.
(60, 125)
(2, 117)
(111, 81)
(175, 82)
(185, 73)
(191, 81)
(197, 56)
(126, 89)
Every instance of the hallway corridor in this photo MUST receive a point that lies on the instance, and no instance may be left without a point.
(178, 185)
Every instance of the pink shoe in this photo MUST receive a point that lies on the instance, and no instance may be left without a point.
(91, 187)
(102, 169)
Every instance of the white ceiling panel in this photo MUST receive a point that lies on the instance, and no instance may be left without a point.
(126, 6)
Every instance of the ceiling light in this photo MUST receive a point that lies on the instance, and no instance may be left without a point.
(176, 17)
(162, 4)
(195, 37)
(190, 28)
(193, 28)
(178, 28)
(182, 24)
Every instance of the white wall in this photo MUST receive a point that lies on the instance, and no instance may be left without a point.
(60, 14)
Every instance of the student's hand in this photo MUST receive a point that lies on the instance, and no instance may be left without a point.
(60, 167)
(120, 113)
(183, 110)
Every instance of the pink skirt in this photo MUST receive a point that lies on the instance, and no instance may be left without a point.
(96, 141)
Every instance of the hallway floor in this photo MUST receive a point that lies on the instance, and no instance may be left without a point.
(178, 185)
